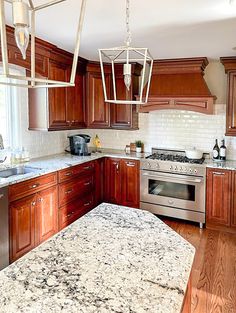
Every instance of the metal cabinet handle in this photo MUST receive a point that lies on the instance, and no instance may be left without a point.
(40, 200)
(87, 204)
(219, 173)
(69, 191)
(88, 183)
(70, 214)
(130, 164)
(87, 167)
(117, 166)
(34, 186)
(33, 203)
(68, 173)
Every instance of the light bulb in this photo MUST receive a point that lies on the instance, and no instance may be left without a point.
(127, 75)
(127, 80)
(22, 38)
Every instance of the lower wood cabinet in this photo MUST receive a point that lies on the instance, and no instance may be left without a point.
(122, 182)
(22, 227)
(46, 224)
(33, 219)
(99, 181)
(221, 199)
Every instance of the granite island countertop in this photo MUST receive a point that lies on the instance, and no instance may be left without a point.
(113, 259)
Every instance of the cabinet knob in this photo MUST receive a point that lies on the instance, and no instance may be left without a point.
(87, 204)
(68, 173)
(33, 203)
(40, 200)
(69, 191)
(88, 183)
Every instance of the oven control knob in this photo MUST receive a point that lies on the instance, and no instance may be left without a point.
(181, 169)
(190, 170)
(195, 171)
(176, 168)
(171, 168)
(157, 165)
(185, 169)
(149, 164)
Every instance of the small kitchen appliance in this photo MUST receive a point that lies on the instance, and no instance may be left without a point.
(173, 185)
(79, 144)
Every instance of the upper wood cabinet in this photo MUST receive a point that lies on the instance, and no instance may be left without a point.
(98, 111)
(218, 197)
(104, 115)
(230, 68)
(58, 108)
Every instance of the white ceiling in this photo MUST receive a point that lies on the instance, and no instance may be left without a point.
(169, 28)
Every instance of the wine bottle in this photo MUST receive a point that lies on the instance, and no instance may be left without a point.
(223, 150)
(216, 151)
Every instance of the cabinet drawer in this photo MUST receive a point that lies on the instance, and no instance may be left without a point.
(72, 211)
(74, 189)
(70, 173)
(31, 186)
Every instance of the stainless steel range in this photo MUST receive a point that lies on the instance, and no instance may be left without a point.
(173, 185)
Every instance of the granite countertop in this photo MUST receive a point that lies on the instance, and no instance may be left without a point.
(53, 163)
(226, 165)
(113, 259)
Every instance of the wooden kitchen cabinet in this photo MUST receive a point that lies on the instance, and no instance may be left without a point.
(33, 213)
(233, 208)
(219, 195)
(98, 111)
(122, 182)
(46, 224)
(99, 181)
(113, 180)
(104, 115)
(22, 227)
(230, 69)
(130, 183)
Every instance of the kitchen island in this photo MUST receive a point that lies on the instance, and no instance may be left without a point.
(114, 259)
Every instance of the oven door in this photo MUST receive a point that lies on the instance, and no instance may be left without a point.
(173, 190)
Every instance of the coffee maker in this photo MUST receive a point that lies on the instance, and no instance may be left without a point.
(79, 144)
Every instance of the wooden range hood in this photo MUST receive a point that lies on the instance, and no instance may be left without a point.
(179, 84)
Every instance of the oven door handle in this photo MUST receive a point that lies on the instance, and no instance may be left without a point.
(187, 180)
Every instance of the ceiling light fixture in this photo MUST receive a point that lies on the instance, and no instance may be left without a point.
(23, 16)
(127, 55)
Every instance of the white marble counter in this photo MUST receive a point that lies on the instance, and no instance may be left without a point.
(114, 259)
(58, 162)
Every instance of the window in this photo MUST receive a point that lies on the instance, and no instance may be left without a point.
(10, 114)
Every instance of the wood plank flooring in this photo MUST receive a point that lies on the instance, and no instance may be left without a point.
(214, 268)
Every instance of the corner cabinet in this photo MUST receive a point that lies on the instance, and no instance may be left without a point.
(104, 115)
(122, 182)
(230, 69)
(59, 108)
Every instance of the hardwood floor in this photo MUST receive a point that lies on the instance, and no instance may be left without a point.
(214, 269)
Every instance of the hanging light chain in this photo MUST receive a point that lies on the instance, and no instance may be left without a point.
(128, 38)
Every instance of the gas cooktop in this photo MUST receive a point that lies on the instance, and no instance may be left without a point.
(174, 158)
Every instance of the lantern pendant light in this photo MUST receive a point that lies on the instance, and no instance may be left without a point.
(126, 56)
(23, 18)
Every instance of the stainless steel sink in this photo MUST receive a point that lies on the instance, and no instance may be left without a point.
(20, 170)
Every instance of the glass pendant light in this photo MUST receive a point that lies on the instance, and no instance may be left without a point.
(127, 56)
(20, 12)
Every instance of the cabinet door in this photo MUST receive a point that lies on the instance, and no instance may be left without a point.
(75, 109)
(46, 214)
(231, 105)
(218, 197)
(233, 209)
(130, 183)
(123, 115)
(57, 98)
(99, 181)
(22, 227)
(113, 180)
(97, 109)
